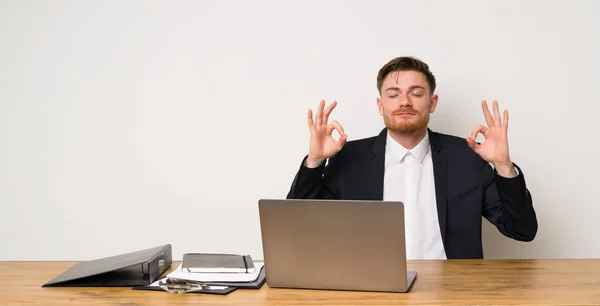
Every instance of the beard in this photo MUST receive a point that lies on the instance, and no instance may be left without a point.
(403, 126)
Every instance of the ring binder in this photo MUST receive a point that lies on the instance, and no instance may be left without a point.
(130, 269)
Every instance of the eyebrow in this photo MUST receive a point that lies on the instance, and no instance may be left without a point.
(409, 89)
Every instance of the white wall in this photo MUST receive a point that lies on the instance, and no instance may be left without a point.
(130, 124)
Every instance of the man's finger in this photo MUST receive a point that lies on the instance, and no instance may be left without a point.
(311, 123)
(330, 129)
(478, 129)
(505, 119)
(319, 118)
(497, 118)
(338, 127)
(489, 120)
(340, 142)
(328, 111)
(474, 145)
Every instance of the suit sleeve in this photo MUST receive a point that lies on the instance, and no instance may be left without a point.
(508, 204)
(317, 183)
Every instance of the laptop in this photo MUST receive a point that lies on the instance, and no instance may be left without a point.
(334, 244)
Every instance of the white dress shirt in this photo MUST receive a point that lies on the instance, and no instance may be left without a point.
(408, 177)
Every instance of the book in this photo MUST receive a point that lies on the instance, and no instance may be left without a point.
(217, 263)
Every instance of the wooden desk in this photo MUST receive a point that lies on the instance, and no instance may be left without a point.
(569, 281)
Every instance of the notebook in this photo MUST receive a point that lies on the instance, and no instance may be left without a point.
(217, 263)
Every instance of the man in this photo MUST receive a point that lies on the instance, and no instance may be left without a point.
(445, 182)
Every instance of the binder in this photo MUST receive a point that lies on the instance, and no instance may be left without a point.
(125, 270)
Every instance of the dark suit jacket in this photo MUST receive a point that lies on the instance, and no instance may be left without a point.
(466, 188)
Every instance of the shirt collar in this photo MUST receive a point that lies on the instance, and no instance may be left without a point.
(399, 152)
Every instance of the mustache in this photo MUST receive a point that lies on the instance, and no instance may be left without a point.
(405, 110)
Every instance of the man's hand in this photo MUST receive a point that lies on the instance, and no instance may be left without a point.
(322, 144)
(494, 148)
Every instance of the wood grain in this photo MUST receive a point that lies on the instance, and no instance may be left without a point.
(481, 282)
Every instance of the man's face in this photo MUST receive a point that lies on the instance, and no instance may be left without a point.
(405, 102)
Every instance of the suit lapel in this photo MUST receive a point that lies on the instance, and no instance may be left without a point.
(439, 174)
(376, 168)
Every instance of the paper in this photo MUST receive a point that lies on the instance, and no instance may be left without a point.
(217, 277)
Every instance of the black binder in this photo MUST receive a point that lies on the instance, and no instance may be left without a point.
(126, 270)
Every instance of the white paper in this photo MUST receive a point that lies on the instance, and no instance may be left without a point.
(217, 277)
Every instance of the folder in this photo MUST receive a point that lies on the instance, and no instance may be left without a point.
(207, 289)
(214, 287)
(125, 270)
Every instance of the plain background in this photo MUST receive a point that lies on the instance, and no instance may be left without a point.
(129, 124)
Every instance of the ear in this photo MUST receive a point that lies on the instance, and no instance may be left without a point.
(380, 106)
(433, 104)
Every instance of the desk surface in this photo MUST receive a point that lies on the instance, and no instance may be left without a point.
(566, 281)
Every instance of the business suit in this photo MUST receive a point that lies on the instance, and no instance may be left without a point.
(466, 188)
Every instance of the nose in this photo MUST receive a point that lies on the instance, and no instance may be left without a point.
(405, 100)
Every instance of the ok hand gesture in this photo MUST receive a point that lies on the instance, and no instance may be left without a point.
(322, 144)
(494, 148)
